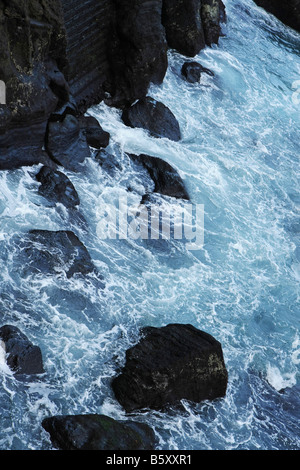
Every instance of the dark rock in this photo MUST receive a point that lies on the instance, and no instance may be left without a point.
(153, 116)
(66, 143)
(138, 50)
(96, 137)
(56, 187)
(192, 71)
(24, 156)
(108, 162)
(288, 11)
(22, 356)
(212, 14)
(183, 24)
(167, 180)
(50, 252)
(170, 364)
(98, 432)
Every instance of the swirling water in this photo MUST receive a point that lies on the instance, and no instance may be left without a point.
(239, 157)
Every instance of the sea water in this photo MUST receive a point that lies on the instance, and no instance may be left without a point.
(239, 159)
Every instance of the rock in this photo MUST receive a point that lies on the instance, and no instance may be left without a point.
(288, 11)
(212, 14)
(50, 252)
(98, 432)
(56, 187)
(183, 24)
(22, 356)
(96, 137)
(138, 50)
(66, 143)
(108, 162)
(153, 116)
(24, 156)
(192, 71)
(167, 180)
(169, 364)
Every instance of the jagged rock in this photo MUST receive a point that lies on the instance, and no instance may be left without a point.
(192, 71)
(66, 143)
(138, 50)
(56, 187)
(108, 162)
(169, 364)
(288, 11)
(22, 356)
(153, 116)
(96, 137)
(98, 432)
(53, 252)
(212, 14)
(167, 180)
(183, 24)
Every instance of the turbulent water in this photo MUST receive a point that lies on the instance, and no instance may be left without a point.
(239, 157)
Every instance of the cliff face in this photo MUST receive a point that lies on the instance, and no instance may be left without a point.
(288, 11)
(69, 54)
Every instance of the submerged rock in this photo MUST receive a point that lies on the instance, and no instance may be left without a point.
(66, 143)
(98, 432)
(22, 356)
(170, 364)
(192, 71)
(167, 180)
(51, 252)
(153, 116)
(57, 188)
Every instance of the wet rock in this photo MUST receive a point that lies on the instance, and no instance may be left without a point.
(212, 14)
(54, 252)
(22, 356)
(192, 71)
(169, 364)
(57, 188)
(154, 117)
(167, 180)
(108, 162)
(66, 143)
(98, 432)
(288, 11)
(96, 137)
(138, 50)
(183, 24)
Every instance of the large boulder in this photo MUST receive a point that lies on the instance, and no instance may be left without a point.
(54, 252)
(288, 11)
(166, 179)
(66, 143)
(154, 117)
(22, 356)
(183, 24)
(98, 432)
(169, 364)
(56, 187)
(212, 14)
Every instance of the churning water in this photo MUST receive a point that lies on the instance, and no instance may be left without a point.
(239, 157)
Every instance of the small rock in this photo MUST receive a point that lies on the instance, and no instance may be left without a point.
(98, 432)
(96, 137)
(56, 187)
(170, 364)
(22, 356)
(192, 71)
(153, 116)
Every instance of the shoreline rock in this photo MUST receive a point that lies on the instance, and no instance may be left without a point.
(169, 364)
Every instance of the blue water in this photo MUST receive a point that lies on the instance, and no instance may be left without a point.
(239, 157)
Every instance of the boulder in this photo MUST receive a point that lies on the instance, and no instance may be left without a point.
(66, 143)
(212, 14)
(183, 25)
(56, 187)
(154, 117)
(192, 71)
(96, 137)
(169, 364)
(166, 179)
(51, 252)
(98, 432)
(288, 11)
(22, 356)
